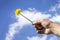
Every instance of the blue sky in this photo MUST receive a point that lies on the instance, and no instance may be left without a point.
(48, 8)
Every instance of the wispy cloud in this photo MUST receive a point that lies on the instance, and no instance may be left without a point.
(56, 18)
(54, 8)
(53, 38)
(41, 38)
(37, 38)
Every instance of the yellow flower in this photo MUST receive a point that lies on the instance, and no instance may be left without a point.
(17, 12)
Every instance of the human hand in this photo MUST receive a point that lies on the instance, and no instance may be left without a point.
(42, 26)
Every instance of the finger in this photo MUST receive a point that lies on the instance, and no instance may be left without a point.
(36, 22)
(38, 27)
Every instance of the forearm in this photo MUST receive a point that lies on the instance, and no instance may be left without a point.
(55, 28)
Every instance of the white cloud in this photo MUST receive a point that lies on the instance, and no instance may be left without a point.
(12, 30)
(58, 6)
(36, 38)
(41, 38)
(53, 38)
(56, 18)
(54, 8)
(32, 14)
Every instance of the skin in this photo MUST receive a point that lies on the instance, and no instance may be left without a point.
(46, 26)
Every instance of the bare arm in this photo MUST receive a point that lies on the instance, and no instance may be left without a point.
(55, 28)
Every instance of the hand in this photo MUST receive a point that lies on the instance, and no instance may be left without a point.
(42, 26)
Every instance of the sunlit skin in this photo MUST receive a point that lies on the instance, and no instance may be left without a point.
(46, 26)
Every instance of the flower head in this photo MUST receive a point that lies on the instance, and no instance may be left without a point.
(17, 12)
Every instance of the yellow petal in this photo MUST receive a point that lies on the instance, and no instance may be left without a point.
(17, 12)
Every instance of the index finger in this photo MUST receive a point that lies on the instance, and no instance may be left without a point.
(37, 25)
(36, 22)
